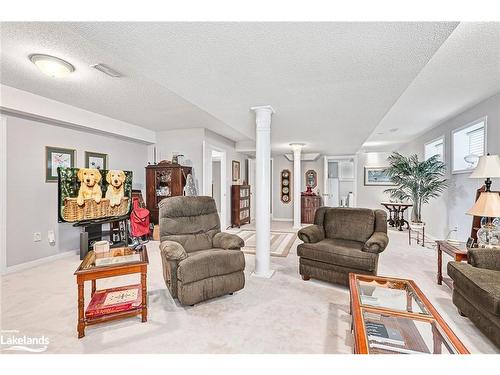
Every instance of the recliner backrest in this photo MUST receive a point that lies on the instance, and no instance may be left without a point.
(355, 224)
(190, 221)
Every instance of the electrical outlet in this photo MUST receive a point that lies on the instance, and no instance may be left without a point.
(37, 237)
(52, 237)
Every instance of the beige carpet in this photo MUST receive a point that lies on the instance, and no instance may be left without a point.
(283, 314)
(281, 242)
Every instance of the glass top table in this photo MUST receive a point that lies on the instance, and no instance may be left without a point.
(393, 316)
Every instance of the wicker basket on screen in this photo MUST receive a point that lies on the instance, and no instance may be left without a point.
(92, 210)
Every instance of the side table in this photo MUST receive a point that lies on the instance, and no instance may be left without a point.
(458, 253)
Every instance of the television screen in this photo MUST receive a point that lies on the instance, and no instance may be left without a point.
(87, 194)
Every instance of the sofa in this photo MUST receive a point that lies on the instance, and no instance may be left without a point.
(342, 240)
(199, 261)
(476, 290)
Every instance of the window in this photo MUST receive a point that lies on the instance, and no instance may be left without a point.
(435, 147)
(469, 143)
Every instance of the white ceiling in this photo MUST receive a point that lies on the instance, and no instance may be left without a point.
(331, 84)
(463, 72)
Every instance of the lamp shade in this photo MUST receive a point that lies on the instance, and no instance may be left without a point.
(488, 166)
(488, 205)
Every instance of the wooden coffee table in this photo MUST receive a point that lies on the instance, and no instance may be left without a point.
(89, 271)
(393, 316)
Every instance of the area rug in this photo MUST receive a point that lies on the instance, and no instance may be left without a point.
(281, 242)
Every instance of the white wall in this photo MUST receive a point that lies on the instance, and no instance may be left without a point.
(370, 196)
(281, 211)
(32, 203)
(448, 211)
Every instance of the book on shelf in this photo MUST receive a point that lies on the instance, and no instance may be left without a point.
(114, 300)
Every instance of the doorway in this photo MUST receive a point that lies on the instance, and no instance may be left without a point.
(339, 181)
(214, 179)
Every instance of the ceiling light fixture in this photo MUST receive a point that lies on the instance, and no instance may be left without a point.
(51, 65)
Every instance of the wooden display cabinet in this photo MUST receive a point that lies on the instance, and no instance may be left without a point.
(309, 205)
(240, 205)
(163, 180)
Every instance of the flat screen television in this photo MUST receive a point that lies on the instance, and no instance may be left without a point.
(92, 195)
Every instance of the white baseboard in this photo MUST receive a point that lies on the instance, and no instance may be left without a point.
(280, 219)
(37, 262)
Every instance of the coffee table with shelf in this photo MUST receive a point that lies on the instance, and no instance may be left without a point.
(89, 271)
(393, 316)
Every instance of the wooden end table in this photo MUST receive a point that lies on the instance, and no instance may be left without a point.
(88, 271)
(393, 316)
(459, 254)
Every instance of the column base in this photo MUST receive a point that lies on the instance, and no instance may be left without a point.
(264, 275)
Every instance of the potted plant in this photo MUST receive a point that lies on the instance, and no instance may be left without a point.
(416, 181)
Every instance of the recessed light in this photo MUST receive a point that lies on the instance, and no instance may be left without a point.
(51, 65)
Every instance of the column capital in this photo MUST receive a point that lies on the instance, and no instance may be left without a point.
(263, 115)
(297, 147)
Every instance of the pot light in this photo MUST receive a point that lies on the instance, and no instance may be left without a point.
(51, 65)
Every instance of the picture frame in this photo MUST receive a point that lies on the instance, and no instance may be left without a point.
(376, 176)
(96, 160)
(56, 157)
(235, 168)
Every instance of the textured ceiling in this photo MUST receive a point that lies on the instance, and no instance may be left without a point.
(463, 72)
(330, 83)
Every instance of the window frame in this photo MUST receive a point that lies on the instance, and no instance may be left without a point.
(470, 124)
(440, 138)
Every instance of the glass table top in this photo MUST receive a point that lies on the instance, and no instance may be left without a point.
(390, 294)
(115, 257)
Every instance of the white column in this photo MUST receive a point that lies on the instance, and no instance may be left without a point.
(297, 148)
(263, 191)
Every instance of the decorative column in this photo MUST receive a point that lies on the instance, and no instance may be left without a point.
(263, 191)
(297, 148)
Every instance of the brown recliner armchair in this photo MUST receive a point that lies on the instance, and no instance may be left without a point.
(199, 261)
(342, 240)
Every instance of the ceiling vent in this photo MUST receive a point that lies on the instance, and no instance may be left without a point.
(107, 70)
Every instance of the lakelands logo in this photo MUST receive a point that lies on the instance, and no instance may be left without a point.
(12, 340)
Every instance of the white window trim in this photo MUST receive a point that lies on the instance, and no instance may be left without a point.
(481, 119)
(440, 138)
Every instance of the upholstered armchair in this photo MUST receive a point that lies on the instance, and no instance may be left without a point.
(199, 261)
(342, 240)
(476, 290)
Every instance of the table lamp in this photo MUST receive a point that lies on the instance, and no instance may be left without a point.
(488, 167)
(487, 205)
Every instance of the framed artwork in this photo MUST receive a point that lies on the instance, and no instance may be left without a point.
(96, 160)
(56, 157)
(286, 189)
(376, 176)
(311, 179)
(236, 170)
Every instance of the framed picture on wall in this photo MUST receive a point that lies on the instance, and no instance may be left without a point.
(376, 176)
(236, 170)
(56, 157)
(96, 160)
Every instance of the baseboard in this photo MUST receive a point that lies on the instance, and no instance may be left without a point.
(37, 262)
(280, 219)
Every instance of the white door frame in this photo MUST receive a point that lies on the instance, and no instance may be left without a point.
(326, 158)
(3, 194)
(207, 178)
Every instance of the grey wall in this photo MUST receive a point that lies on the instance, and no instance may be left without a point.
(281, 210)
(216, 187)
(32, 203)
(448, 211)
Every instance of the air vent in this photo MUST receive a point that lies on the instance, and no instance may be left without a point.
(107, 70)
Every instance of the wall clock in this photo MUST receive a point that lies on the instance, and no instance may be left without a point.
(286, 195)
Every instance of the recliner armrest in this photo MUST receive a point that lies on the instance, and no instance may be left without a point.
(376, 243)
(484, 258)
(312, 234)
(230, 241)
(173, 250)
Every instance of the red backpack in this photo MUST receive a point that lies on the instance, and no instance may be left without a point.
(139, 220)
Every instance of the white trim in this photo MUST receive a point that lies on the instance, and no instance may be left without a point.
(282, 219)
(452, 143)
(443, 138)
(37, 262)
(207, 178)
(3, 194)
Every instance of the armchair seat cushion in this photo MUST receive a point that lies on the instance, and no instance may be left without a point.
(346, 253)
(481, 286)
(203, 264)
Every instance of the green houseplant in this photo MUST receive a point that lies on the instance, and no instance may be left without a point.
(416, 181)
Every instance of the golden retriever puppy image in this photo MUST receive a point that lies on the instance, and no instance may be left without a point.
(116, 189)
(89, 185)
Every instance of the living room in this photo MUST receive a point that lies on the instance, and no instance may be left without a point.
(327, 188)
